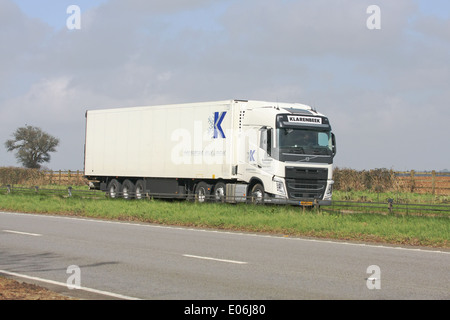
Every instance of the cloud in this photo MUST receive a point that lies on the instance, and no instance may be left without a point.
(311, 28)
(376, 86)
(20, 38)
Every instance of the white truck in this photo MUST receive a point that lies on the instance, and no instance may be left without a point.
(229, 151)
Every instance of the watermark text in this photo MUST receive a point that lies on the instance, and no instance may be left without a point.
(374, 280)
(374, 20)
(74, 280)
(74, 20)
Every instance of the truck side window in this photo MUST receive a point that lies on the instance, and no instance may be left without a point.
(266, 140)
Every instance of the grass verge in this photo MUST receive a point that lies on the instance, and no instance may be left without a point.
(282, 220)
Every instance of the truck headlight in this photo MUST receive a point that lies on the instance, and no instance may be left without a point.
(279, 183)
(329, 192)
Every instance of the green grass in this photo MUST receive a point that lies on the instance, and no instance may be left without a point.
(280, 220)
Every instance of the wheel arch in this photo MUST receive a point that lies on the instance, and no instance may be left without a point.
(254, 181)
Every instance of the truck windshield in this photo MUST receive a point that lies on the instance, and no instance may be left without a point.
(303, 141)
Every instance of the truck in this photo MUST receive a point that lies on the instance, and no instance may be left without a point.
(229, 151)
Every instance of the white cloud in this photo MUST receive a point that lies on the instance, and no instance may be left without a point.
(376, 86)
(20, 38)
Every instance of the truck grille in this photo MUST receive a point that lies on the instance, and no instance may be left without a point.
(306, 183)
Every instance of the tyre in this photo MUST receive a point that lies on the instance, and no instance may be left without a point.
(219, 192)
(114, 189)
(140, 189)
(128, 189)
(257, 194)
(202, 192)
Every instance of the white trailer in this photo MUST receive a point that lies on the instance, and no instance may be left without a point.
(234, 150)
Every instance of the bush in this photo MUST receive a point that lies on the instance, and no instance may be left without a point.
(36, 177)
(21, 176)
(378, 180)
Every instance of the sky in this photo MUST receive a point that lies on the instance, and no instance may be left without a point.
(386, 90)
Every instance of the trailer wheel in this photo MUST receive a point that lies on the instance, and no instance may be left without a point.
(257, 194)
(140, 189)
(114, 189)
(128, 189)
(202, 192)
(219, 192)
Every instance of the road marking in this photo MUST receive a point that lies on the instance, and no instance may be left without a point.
(105, 293)
(23, 233)
(214, 259)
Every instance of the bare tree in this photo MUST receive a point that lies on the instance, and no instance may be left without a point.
(33, 146)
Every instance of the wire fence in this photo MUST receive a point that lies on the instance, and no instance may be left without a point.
(388, 207)
(63, 192)
(70, 183)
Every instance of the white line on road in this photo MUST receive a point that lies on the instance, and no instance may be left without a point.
(214, 259)
(104, 293)
(23, 233)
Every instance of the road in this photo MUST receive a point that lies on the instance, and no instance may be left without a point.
(152, 262)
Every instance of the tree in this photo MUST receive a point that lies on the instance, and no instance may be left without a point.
(33, 146)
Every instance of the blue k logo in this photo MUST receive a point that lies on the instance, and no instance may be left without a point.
(252, 155)
(218, 119)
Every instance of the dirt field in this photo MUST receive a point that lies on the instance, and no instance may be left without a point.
(14, 290)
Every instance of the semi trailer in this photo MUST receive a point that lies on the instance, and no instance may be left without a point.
(229, 151)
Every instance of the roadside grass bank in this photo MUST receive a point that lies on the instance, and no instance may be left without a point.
(415, 230)
(398, 197)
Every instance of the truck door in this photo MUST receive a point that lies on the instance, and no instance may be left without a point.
(265, 148)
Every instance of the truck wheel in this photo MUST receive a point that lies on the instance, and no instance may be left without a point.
(202, 192)
(219, 192)
(140, 189)
(257, 194)
(128, 189)
(114, 189)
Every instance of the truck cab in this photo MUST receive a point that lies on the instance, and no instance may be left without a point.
(290, 153)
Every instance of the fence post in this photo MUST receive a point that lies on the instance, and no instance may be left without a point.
(70, 191)
(433, 183)
(36, 189)
(8, 189)
(391, 205)
(413, 183)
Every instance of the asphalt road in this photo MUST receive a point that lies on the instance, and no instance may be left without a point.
(131, 260)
